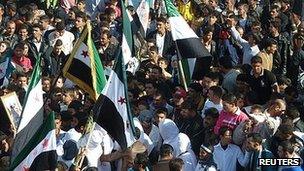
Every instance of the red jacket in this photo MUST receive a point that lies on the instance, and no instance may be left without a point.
(230, 120)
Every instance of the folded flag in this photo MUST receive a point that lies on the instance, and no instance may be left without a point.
(195, 57)
(40, 152)
(32, 112)
(84, 66)
(112, 110)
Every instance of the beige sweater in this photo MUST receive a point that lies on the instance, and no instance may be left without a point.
(267, 60)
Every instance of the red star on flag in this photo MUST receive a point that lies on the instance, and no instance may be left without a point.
(25, 168)
(85, 53)
(121, 100)
(45, 143)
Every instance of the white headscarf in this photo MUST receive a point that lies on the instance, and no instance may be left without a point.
(170, 134)
(143, 138)
(180, 143)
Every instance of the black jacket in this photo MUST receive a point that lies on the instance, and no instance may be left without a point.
(169, 47)
(34, 52)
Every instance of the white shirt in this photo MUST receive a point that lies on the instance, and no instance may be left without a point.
(248, 51)
(38, 45)
(226, 159)
(200, 168)
(160, 41)
(189, 160)
(210, 104)
(67, 40)
(155, 136)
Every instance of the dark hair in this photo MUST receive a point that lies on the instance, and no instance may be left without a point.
(142, 159)
(60, 26)
(207, 30)
(256, 59)
(256, 23)
(292, 91)
(161, 19)
(217, 91)
(37, 26)
(213, 112)
(256, 137)
(58, 43)
(213, 76)
(161, 110)
(153, 48)
(292, 112)
(242, 77)
(154, 84)
(82, 119)
(225, 62)
(130, 8)
(109, 11)
(82, 15)
(66, 115)
(75, 104)
(45, 17)
(106, 32)
(287, 146)
(176, 164)
(270, 42)
(257, 106)
(160, 70)
(276, 24)
(58, 116)
(274, 7)
(189, 104)
(286, 129)
(164, 59)
(230, 98)
(256, 37)
(223, 130)
(23, 26)
(19, 45)
(165, 150)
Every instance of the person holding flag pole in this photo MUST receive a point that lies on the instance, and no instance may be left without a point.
(193, 57)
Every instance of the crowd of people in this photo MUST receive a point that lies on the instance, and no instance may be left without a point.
(247, 104)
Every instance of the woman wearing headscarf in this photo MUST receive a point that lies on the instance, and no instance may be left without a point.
(180, 143)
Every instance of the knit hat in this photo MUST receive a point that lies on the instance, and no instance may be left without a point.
(180, 93)
(208, 149)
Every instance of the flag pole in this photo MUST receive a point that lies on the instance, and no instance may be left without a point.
(180, 68)
(89, 129)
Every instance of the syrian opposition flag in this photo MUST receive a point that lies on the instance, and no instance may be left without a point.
(40, 151)
(84, 67)
(127, 44)
(32, 112)
(193, 53)
(141, 17)
(112, 109)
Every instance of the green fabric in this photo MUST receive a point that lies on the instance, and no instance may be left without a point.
(186, 70)
(100, 76)
(126, 25)
(171, 9)
(35, 78)
(41, 133)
